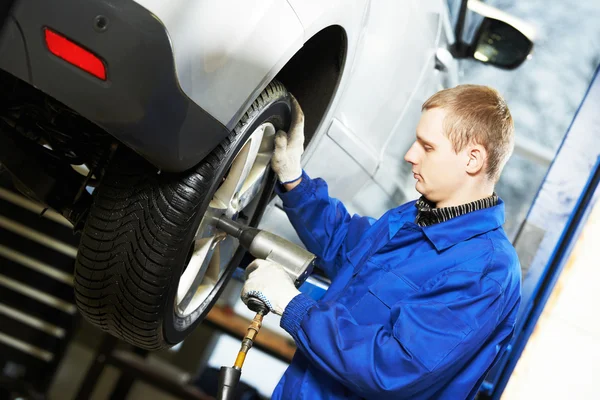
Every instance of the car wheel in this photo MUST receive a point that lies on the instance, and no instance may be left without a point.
(150, 266)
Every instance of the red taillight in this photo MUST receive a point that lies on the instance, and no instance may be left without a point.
(74, 54)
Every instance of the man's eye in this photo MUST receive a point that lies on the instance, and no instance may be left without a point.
(428, 148)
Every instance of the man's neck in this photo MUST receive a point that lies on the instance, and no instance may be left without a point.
(467, 196)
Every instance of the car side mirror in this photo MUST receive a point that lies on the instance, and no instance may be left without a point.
(501, 40)
(500, 44)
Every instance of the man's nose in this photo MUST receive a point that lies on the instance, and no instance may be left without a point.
(411, 155)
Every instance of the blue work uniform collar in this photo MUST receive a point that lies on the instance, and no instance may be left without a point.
(458, 229)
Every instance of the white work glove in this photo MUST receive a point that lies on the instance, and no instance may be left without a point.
(289, 148)
(269, 282)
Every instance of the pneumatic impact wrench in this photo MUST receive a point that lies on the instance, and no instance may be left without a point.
(296, 261)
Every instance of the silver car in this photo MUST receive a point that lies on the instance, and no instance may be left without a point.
(139, 120)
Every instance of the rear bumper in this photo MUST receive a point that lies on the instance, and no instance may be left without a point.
(140, 103)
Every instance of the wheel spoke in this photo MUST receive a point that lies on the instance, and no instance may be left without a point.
(241, 167)
(206, 228)
(192, 278)
(255, 180)
(256, 177)
(225, 251)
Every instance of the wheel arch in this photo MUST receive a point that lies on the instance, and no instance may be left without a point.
(314, 73)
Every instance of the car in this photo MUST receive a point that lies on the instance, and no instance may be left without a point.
(140, 120)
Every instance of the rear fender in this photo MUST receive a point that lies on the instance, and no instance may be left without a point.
(227, 51)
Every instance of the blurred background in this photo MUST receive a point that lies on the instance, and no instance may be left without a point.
(544, 93)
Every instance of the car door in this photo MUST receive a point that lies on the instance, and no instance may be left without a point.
(392, 183)
(394, 59)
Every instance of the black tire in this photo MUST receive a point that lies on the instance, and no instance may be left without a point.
(139, 231)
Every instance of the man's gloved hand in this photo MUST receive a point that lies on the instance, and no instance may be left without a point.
(269, 282)
(289, 148)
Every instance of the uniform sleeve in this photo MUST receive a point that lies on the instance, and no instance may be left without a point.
(322, 223)
(430, 339)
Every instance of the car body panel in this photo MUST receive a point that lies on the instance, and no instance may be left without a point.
(227, 51)
(140, 103)
(381, 77)
(376, 75)
(393, 174)
(224, 53)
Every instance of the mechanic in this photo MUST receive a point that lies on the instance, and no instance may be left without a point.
(423, 300)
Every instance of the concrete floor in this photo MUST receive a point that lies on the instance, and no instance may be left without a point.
(72, 371)
(187, 360)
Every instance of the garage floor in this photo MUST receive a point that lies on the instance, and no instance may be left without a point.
(71, 373)
(185, 360)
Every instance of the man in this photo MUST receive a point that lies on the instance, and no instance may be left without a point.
(421, 301)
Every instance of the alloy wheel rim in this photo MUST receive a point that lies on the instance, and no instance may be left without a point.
(213, 250)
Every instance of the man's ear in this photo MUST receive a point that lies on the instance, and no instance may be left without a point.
(476, 159)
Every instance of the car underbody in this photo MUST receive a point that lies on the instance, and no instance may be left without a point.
(52, 152)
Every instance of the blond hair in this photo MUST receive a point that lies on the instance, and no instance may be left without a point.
(477, 114)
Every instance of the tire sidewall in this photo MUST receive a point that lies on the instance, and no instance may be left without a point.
(176, 328)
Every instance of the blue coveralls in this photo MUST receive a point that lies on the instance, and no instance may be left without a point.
(412, 312)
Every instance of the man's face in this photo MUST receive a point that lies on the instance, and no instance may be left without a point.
(439, 171)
